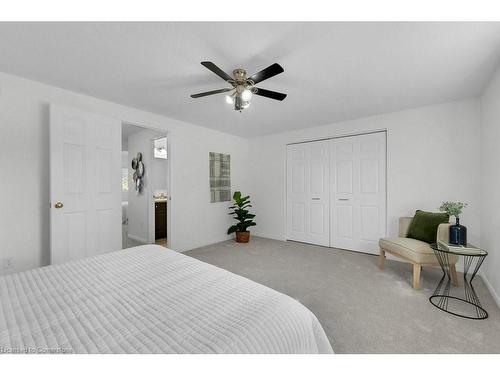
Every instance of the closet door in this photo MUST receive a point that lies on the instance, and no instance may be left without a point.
(358, 192)
(308, 193)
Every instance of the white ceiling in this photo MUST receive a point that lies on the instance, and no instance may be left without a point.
(333, 71)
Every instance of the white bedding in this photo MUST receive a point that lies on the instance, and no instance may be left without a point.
(149, 299)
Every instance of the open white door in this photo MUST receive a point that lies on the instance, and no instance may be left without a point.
(85, 184)
(308, 193)
(358, 192)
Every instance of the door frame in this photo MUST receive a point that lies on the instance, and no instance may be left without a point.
(385, 131)
(168, 134)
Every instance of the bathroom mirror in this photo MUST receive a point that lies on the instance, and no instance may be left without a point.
(160, 148)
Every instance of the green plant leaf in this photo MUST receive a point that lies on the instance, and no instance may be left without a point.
(232, 229)
(244, 226)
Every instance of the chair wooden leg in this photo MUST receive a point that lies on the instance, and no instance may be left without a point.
(453, 275)
(416, 276)
(381, 259)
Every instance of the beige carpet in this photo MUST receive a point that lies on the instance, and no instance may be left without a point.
(362, 309)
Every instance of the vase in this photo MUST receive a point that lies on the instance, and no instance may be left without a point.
(458, 234)
(242, 237)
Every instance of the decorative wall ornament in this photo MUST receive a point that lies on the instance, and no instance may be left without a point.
(138, 176)
(220, 177)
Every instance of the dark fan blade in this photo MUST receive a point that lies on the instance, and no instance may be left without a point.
(209, 93)
(269, 72)
(214, 68)
(270, 94)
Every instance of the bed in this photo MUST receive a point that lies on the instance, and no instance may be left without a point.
(149, 299)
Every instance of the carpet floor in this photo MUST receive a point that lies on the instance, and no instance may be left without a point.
(362, 309)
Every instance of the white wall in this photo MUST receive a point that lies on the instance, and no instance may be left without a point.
(432, 156)
(490, 184)
(24, 151)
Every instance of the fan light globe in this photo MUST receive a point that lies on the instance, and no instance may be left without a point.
(246, 95)
(229, 99)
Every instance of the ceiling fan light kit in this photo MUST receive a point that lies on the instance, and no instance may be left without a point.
(243, 88)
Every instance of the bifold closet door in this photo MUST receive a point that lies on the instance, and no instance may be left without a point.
(358, 192)
(85, 184)
(308, 192)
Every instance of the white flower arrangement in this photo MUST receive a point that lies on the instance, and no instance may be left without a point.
(453, 208)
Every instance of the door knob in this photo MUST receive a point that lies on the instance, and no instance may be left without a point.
(59, 205)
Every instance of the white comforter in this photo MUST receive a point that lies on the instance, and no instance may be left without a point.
(149, 299)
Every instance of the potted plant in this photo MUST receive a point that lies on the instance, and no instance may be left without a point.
(243, 217)
(458, 233)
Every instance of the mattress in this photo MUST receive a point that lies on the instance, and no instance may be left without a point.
(149, 299)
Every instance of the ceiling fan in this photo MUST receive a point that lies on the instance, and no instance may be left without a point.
(243, 87)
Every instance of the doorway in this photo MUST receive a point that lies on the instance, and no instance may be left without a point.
(145, 186)
(336, 192)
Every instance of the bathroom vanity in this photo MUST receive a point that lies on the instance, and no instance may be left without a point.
(160, 218)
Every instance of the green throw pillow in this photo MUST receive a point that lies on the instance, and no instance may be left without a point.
(424, 225)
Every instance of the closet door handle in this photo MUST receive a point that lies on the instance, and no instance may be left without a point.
(315, 199)
(343, 199)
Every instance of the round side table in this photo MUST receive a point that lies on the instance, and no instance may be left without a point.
(442, 295)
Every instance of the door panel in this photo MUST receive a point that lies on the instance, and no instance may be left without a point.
(298, 178)
(344, 222)
(369, 223)
(317, 219)
(358, 206)
(85, 176)
(76, 238)
(104, 170)
(74, 168)
(104, 222)
(344, 176)
(298, 217)
(317, 177)
(308, 193)
(369, 176)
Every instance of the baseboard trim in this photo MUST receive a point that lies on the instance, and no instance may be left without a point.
(491, 289)
(269, 236)
(138, 239)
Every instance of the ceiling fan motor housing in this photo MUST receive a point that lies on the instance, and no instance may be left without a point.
(240, 75)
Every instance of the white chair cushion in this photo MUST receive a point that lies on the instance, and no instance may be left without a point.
(414, 250)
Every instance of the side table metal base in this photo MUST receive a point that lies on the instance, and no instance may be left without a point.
(467, 307)
(442, 296)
